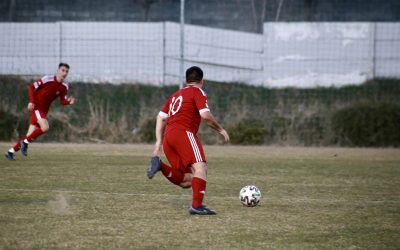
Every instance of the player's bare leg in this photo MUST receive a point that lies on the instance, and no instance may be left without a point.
(25, 145)
(33, 133)
(31, 129)
(187, 181)
(173, 175)
(199, 182)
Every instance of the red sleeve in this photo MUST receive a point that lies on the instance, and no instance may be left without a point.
(32, 88)
(63, 97)
(165, 110)
(200, 99)
(31, 91)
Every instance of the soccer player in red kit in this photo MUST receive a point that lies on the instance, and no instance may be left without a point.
(41, 94)
(182, 114)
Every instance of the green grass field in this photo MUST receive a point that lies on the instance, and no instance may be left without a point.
(84, 196)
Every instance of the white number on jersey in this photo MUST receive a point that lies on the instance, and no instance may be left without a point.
(175, 105)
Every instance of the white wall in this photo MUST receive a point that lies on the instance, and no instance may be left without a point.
(310, 54)
(224, 55)
(287, 54)
(96, 52)
(387, 48)
(28, 48)
(114, 52)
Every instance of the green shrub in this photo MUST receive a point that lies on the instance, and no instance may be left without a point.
(119, 113)
(58, 131)
(367, 124)
(278, 129)
(311, 130)
(8, 124)
(247, 132)
(147, 131)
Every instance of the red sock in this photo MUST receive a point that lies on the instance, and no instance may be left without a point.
(17, 146)
(37, 132)
(173, 175)
(198, 189)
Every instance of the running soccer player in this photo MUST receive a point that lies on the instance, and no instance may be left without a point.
(41, 94)
(185, 109)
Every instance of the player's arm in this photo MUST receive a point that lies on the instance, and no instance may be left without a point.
(212, 123)
(160, 124)
(201, 103)
(31, 94)
(66, 101)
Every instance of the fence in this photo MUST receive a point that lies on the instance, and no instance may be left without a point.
(286, 54)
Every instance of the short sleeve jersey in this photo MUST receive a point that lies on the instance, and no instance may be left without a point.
(183, 109)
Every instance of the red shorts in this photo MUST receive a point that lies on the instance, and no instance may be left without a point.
(182, 149)
(35, 116)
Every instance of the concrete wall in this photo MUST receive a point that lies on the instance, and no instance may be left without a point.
(114, 52)
(387, 50)
(324, 54)
(287, 54)
(309, 54)
(224, 55)
(28, 48)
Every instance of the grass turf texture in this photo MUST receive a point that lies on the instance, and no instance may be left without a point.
(88, 196)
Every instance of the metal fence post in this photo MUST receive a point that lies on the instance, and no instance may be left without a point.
(182, 44)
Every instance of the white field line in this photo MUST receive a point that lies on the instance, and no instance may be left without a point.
(271, 199)
(85, 192)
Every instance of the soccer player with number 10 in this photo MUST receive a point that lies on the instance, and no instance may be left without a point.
(182, 114)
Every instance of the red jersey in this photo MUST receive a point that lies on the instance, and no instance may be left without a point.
(183, 109)
(44, 91)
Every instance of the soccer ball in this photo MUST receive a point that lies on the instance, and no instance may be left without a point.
(250, 195)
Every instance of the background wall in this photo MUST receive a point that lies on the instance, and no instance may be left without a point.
(309, 54)
(286, 54)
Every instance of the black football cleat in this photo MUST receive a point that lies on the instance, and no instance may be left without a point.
(201, 211)
(154, 167)
(24, 148)
(10, 156)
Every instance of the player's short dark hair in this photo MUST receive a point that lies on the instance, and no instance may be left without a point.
(63, 65)
(194, 74)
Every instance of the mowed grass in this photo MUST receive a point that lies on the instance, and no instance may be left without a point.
(84, 196)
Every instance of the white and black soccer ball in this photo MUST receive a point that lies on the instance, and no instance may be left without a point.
(250, 195)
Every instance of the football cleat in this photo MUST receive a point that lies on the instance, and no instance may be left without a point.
(10, 156)
(154, 167)
(201, 211)
(24, 148)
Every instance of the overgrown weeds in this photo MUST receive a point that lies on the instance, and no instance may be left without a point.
(126, 113)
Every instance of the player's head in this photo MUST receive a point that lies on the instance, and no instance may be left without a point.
(194, 75)
(62, 72)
